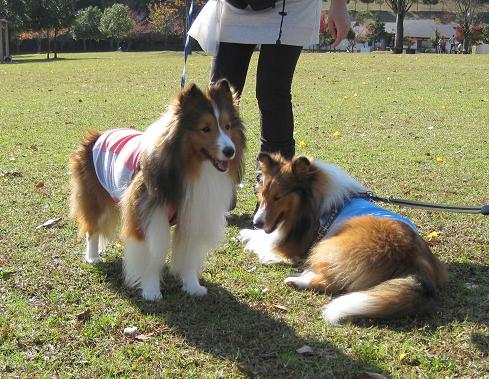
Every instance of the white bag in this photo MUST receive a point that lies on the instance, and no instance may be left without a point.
(207, 27)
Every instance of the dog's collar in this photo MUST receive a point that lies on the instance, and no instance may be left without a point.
(329, 216)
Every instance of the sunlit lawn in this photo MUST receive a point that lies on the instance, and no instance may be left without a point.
(414, 126)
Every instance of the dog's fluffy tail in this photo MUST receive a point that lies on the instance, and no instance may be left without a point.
(392, 298)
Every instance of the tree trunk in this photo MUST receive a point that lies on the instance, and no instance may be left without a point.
(55, 47)
(466, 35)
(84, 44)
(466, 45)
(111, 44)
(398, 44)
(49, 43)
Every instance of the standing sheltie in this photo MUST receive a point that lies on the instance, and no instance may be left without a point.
(373, 255)
(183, 169)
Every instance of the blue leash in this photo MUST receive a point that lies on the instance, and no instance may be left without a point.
(187, 50)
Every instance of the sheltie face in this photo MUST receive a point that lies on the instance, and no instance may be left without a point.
(372, 254)
(186, 165)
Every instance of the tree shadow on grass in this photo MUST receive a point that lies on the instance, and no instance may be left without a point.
(481, 342)
(44, 60)
(241, 220)
(220, 324)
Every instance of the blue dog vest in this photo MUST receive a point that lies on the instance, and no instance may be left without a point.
(360, 207)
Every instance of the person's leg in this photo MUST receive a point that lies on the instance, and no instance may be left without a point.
(232, 63)
(276, 67)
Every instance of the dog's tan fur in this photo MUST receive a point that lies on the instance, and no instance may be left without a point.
(380, 258)
(176, 148)
(89, 201)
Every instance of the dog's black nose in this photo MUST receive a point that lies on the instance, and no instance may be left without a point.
(228, 151)
(258, 224)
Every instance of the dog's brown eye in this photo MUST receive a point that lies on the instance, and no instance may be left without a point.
(206, 129)
(227, 126)
(276, 198)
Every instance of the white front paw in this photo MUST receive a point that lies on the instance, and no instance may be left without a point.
(246, 234)
(195, 290)
(93, 260)
(269, 258)
(151, 294)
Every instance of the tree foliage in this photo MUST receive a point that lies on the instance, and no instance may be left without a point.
(351, 38)
(485, 34)
(375, 30)
(115, 22)
(468, 14)
(86, 24)
(162, 17)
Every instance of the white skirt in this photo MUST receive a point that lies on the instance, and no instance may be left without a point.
(300, 25)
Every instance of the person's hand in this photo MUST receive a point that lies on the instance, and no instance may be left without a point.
(338, 21)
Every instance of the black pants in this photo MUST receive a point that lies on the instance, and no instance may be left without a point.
(276, 66)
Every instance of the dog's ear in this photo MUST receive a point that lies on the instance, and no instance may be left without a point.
(268, 163)
(301, 166)
(190, 95)
(223, 92)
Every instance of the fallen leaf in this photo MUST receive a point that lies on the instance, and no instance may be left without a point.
(402, 356)
(34, 148)
(39, 184)
(281, 307)
(431, 235)
(345, 97)
(355, 94)
(305, 350)
(49, 223)
(84, 316)
(131, 331)
(302, 144)
(440, 160)
(336, 134)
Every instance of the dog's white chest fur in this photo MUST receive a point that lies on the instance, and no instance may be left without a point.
(205, 203)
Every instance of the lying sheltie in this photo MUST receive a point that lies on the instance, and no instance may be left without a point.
(373, 255)
(181, 170)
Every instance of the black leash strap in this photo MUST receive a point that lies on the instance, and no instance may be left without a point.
(484, 210)
(282, 14)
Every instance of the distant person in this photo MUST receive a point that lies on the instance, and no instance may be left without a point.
(442, 46)
(450, 44)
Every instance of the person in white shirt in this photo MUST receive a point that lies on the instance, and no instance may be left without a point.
(281, 28)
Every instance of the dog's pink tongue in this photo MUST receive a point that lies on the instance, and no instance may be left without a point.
(223, 165)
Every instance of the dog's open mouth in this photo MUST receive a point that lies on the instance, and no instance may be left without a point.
(222, 166)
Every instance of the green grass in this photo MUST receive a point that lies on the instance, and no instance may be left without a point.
(396, 115)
